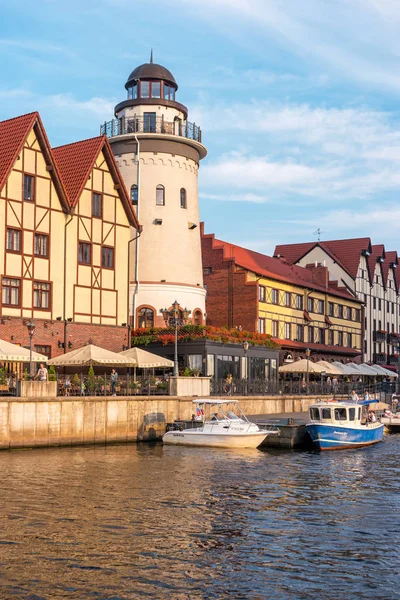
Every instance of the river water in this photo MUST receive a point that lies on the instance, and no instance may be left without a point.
(147, 521)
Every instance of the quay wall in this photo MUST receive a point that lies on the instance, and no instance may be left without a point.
(42, 422)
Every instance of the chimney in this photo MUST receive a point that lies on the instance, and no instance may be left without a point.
(320, 274)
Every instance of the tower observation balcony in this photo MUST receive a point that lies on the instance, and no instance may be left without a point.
(150, 124)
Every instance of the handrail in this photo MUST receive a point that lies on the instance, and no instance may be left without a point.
(150, 124)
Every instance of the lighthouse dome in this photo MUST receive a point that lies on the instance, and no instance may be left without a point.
(151, 71)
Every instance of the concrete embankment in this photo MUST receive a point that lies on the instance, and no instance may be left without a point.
(27, 423)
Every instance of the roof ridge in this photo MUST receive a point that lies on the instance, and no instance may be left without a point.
(34, 112)
(96, 137)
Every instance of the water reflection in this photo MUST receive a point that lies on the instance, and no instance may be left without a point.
(126, 522)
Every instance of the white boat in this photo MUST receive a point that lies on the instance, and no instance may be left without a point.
(220, 424)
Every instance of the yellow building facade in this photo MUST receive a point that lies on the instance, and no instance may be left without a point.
(67, 221)
(291, 313)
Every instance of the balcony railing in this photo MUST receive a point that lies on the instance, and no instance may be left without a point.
(379, 335)
(394, 359)
(380, 358)
(149, 124)
(393, 338)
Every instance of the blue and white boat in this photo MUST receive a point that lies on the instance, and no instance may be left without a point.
(338, 425)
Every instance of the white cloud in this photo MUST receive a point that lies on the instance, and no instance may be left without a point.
(358, 39)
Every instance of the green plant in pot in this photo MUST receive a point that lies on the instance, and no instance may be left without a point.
(52, 373)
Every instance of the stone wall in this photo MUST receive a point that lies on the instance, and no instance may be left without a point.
(73, 421)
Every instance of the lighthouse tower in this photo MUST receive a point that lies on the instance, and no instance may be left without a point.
(158, 152)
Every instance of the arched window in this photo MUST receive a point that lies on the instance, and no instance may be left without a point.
(197, 317)
(183, 198)
(134, 194)
(146, 318)
(160, 195)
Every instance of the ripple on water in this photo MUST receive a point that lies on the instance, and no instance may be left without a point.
(126, 522)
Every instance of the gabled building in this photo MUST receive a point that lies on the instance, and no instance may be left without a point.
(368, 272)
(298, 306)
(61, 212)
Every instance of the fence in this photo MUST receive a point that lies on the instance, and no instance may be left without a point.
(8, 384)
(262, 387)
(103, 385)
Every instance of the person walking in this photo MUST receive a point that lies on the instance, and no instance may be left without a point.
(114, 380)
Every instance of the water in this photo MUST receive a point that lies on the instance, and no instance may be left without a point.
(144, 521)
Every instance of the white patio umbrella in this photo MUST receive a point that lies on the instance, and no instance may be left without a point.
(13, 353)
(382, 371)
(90, 356)
(366, 370)
(330, 368)
(347, 368)
(302, 366)
(146, 360)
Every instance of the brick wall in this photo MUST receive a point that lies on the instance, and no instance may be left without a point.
(50, 333)
(231, 300)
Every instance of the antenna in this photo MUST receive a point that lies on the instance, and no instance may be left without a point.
(318, 233)
(151, 56)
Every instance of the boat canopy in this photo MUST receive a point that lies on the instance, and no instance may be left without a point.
(204, 401)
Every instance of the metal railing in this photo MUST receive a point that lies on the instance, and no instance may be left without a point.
(146, 124)
(262, 387)
(8, 384)
(104, 385)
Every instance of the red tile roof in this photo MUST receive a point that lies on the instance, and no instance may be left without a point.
(75, 163)
(345, 252)
(275, 268)
(377, 252)
(391, 259)
(13, 133)
(69, 165)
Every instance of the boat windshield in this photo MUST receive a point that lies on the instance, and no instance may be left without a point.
(220, 412)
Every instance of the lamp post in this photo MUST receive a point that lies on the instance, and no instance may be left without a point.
(308, 354)
(245, 348)
(31, 330)
(174, 319)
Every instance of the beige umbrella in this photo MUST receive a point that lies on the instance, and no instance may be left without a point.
(147, 360)
(329, 368)
(91, 355)
(302, 366)
(13, 353)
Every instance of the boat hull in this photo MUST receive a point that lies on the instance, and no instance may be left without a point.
(214, 440)
(334, 437)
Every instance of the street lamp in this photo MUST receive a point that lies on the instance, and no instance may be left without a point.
(31, 330)
(308, 354)
(245, 348)
(174, 319)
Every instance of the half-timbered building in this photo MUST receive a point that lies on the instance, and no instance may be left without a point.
(61, 214)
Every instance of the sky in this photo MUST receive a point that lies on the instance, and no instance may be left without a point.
(298, 102)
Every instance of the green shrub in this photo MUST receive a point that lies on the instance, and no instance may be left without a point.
(52, 373)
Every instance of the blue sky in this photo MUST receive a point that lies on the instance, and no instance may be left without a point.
(298, 101)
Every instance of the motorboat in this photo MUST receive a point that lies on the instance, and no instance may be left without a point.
(338, 425)
(219, 424)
